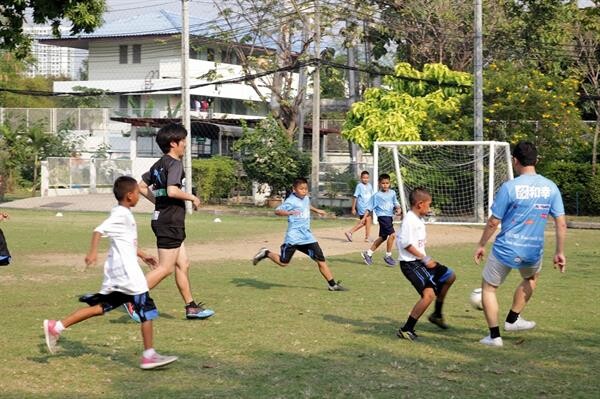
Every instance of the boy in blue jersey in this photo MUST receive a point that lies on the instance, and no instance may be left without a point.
(522, 206)
(360, 202)
(385, 204)
(298, 236)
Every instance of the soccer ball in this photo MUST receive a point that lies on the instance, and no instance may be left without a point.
(475, 299)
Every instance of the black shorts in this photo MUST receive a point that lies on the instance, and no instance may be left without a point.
(421, 277)
(386, 226)
(142, 303)
(313, 250)
(168, 237)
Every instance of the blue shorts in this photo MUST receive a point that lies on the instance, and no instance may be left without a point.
(386, 226)
(422, 277)
(142, 303)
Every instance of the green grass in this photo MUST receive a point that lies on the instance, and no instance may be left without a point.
(278, 333)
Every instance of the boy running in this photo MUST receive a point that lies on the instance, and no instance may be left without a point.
(299, 236)
(384, 203)
(360, 202)
(124, 280)
(430, 278)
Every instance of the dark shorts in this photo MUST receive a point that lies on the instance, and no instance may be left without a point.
(313, 250)
(168, 237)
(386, 226)
(421, 277)
(142, 303)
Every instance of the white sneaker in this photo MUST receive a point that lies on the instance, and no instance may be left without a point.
(519, 325)
(489, 341)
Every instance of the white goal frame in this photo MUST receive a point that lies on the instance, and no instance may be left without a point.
(481, 149)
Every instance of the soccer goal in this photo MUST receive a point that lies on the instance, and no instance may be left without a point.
(462, 176)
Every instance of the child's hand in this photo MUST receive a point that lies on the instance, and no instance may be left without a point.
(196, 203)
(3, 215)
(295, 212)
(150, 260)
(320, 212)
(91, 258)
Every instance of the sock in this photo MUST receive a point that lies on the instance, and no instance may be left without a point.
(148, 353)
(369, 252)
(511, 317)
(494, 332)
(388, 254)
(438, 308)
(331, 282)
(410, 324)
(267, 252)
(191, 304)
(58, 327)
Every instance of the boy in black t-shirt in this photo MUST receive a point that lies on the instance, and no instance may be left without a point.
(162, 185)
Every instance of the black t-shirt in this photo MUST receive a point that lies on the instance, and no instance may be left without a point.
(167, 171)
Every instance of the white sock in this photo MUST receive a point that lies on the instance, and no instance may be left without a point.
(369, 252)
(148, 353)
(58, 327)
(388, 254)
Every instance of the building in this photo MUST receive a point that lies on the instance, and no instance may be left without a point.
(52, 61)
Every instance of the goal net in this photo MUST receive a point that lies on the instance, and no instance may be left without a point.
(462, 176)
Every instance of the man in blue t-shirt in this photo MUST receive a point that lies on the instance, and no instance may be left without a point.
(522, 207)
(298, 236)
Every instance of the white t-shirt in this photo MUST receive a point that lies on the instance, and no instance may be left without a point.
(121, 270)
(412, 232)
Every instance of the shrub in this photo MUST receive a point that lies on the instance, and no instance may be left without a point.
(215, 177)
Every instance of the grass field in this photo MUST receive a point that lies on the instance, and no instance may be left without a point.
(278, 333)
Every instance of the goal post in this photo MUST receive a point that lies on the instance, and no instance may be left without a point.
(462, 176)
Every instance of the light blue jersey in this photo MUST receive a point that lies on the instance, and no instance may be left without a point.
(363, 194)
(298, 231)
(384, 203)
(523, 206)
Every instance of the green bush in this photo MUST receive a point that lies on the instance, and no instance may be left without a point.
(215, 177)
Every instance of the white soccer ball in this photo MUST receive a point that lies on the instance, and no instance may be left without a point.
(59, 214)
(475, 299)
(217, 220)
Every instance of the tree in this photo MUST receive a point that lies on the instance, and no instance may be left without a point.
(269, 157)
(85, 16)
(399, 110)
(12, 75)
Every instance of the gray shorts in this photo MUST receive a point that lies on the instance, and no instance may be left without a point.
(494, 272)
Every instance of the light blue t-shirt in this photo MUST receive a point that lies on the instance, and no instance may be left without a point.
(384, 203)
(298, 231)
(363, 194)
(523, 206)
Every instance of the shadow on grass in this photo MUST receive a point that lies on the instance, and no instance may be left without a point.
(263, 285)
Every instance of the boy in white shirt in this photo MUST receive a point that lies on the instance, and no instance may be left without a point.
(124, 280)
(430, 278)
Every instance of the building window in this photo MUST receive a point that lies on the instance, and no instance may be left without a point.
(226, 105)
(123, 103)
(137, 54)
(123, 54)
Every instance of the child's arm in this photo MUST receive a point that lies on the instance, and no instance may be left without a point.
(318, 211)
(427, 260)
(92, 255)
(146, 192)
(283, 212)
(177, 193)
(148, 259)
(353, 206)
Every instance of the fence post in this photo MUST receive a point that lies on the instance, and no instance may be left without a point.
(92, 176)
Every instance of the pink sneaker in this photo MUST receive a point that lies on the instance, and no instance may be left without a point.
(155, 361)
(51, 335)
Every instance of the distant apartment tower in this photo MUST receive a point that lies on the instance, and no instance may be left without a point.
(52, 61)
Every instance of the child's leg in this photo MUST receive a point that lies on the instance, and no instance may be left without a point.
(391, 240)
(276, 259)
(324, 269)
(147, 334)
(167, 258)
(378, 241)
(182, 274)
(368, 224)
(357, 226)
(82, 314)
(417, 311)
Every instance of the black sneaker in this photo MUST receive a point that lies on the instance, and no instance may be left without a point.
(408, 335)
(260, 255)
(337, 287)
(438, 321)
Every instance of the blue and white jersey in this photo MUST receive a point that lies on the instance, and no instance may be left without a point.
(384, 203)
(523, 206)
(298, 231)
(363, 194)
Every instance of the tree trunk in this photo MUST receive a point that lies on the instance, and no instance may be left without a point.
(595, 142)
(35, 175)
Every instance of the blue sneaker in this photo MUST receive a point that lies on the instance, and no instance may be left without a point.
(198, 311)
(367, 258)
(389, 261)
(131, 312)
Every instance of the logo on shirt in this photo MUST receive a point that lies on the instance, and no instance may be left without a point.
(518, 260)
(532, 192)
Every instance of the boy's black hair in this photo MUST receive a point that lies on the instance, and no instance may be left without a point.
(418, 194)
(173, 132)
(383, 176)
(364, 172)
(298, 181)
(526, 153)
(124, 185)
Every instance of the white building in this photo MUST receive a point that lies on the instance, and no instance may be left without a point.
(52, 61)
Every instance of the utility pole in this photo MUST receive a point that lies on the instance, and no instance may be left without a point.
(478, 108)
(352, 88)
(302, 81)
(185, 98)
(316, 113)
